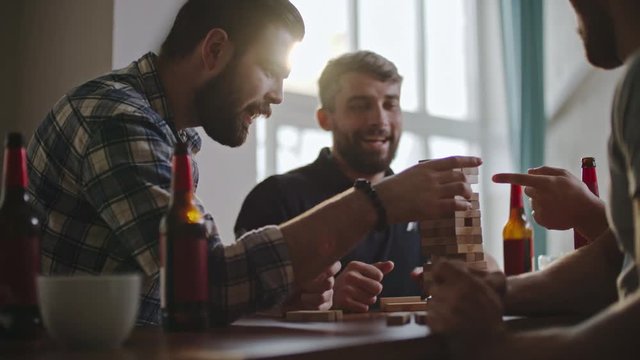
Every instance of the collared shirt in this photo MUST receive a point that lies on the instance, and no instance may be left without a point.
(282, 197)
(100, 172)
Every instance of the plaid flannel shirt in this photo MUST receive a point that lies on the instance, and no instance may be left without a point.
(100, 172)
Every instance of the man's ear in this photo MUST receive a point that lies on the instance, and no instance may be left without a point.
(323, 116)
(216, 50)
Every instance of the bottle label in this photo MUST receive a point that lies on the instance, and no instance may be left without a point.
(190, 271)
(19, 267)
(517, 256)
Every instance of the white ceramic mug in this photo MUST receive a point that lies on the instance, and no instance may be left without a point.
(89, 311)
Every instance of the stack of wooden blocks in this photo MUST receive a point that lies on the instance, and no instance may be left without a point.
(458, 236)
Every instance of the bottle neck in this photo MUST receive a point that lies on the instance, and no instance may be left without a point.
(14, 182)
(15, 168)
(181, 181)
(590, 178)
(516, 206)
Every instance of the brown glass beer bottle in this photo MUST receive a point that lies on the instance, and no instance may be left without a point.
(184, 280)
(590, 178)
(518, 237)
(19, 247)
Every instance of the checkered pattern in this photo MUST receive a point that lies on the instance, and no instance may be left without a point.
(100, 171)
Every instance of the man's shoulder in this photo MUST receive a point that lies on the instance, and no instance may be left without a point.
(108, 95)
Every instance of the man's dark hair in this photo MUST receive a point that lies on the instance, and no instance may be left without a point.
(243, 20)
(365, 62)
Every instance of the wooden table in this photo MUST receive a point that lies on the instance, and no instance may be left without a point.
(359, 336)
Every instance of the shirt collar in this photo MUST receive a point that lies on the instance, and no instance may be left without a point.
(154, 91)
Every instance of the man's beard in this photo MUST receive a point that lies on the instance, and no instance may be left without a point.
(361, 160)
(219, 109)
(598, 35)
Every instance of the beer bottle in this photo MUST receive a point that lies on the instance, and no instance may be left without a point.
(19, 247)
(184, 281)
(518, 237)
(588, 177)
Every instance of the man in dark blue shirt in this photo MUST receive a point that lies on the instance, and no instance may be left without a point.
(360, 105)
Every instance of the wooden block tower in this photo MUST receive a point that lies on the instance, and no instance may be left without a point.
(458, 236)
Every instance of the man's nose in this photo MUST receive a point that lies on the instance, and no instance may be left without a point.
(276, 93)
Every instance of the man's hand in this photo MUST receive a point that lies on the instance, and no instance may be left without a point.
(358, 286)
(427, 190)
(315, 295)
(465, 307)
(560, 201)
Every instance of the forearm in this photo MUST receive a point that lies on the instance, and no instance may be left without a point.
(594, 223)
(327, 232)
(612, 334)
(582, 282)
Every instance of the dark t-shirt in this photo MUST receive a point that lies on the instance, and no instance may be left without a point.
(282, 197)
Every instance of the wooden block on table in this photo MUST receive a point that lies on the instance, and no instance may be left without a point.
(420, 317)
(312, 315)
(398, 318)
(407, 306)
(398, 299)
(452, 249)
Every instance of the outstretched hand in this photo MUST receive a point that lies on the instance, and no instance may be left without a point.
(559, 200)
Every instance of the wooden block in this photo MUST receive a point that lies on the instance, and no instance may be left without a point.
(472, 179)
(408, 306)
(452, 249)
(473, 221)
(469, 170)
(467, 214)
(451, 231)
(474, 197)
(420, 317)
(447, 223)
(451, 240)
(475, 204)
(398, 299)
(398, 318)
(311, 316)
(465, 257)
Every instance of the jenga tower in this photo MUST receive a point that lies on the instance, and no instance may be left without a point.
(458, 236)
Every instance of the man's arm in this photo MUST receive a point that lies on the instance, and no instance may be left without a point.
(467, 310)
(329, 230)
(574, 283)
(582, 282)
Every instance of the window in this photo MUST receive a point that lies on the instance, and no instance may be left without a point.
(433, 45)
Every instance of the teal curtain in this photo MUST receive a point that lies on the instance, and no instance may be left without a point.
(523, 54)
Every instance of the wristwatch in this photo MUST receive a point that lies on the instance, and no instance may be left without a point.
(364, 185)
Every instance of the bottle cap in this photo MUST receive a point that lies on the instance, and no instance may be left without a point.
(588, 162)
(181, 148)
(14, 140)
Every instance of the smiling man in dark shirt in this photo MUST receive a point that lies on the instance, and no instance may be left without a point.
(360, 105)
